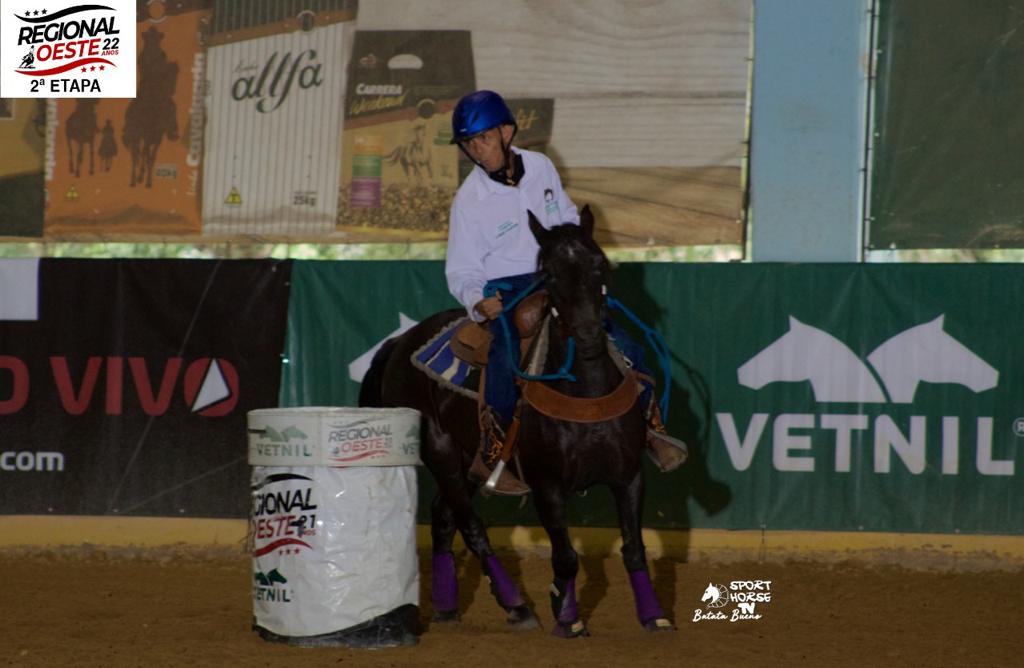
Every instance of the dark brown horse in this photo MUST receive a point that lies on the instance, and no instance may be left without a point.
(81, 128)
(558, 457)
(152, 114)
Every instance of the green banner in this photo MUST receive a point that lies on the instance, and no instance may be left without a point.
(946, 167)
(816, 397)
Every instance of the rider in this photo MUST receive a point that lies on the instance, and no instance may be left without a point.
(489, 239)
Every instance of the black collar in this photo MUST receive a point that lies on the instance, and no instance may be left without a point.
(501, 175)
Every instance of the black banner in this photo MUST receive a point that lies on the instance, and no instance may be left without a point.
(948, 137)
(129, 393)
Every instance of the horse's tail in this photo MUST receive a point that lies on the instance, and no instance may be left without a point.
(395, 155)
(370, 393)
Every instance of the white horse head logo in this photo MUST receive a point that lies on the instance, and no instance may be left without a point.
(715, 595)
(808, 353)
(927, 353)
(922, 353)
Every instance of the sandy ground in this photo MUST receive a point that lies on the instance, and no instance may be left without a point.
(86, 607)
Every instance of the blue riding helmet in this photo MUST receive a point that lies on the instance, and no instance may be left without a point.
(478, 112)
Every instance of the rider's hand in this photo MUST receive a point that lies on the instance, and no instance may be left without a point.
(489, 307)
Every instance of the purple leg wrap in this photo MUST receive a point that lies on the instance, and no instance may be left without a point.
(504, 588)
(445, 591)
(647, 607)
(566, 611)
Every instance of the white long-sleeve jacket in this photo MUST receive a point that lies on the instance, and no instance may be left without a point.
(489, 233)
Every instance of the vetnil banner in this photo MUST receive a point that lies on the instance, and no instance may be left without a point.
(821, 397)
(866, 397)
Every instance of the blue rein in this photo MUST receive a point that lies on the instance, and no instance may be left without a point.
(657, 343)
(490, 290)
(654, 339)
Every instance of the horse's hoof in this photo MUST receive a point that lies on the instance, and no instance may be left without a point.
(575, 630)
(445, 617)
(521, 618)
(659, 624)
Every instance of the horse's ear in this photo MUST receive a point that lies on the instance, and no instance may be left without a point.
(539, 233)
(587, 221)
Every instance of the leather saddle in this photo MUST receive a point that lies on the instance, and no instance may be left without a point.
(472, 340)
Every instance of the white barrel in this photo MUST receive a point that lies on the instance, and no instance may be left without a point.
(333, 525)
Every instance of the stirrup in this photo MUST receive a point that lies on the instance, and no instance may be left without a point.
(666, 452)
(500, 480)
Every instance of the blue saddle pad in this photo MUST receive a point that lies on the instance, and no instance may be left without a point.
(437, 360)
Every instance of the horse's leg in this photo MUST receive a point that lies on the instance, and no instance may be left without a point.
(444, 461)
(134, 153)
(550, 503)
(71, 156)
(137, 162)
(503, 587)
(152, 163)
(148, 158)
(444, 592)
(630, 501)
(91, 168)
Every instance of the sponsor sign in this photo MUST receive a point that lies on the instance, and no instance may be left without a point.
(127, 393)
(893, 373)
(813, 397)
(67, 48)
(134, 166)
(274, 133)
(400, 171)
(864, 398)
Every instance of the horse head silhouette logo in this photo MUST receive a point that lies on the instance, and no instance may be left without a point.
(284, 435)
(927, 353)
(808, 353)
(921, 353)
(716, 596)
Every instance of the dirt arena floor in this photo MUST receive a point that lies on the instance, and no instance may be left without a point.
(88, 607)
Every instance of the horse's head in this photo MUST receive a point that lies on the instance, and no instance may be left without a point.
(575, 272)
(710, 594)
